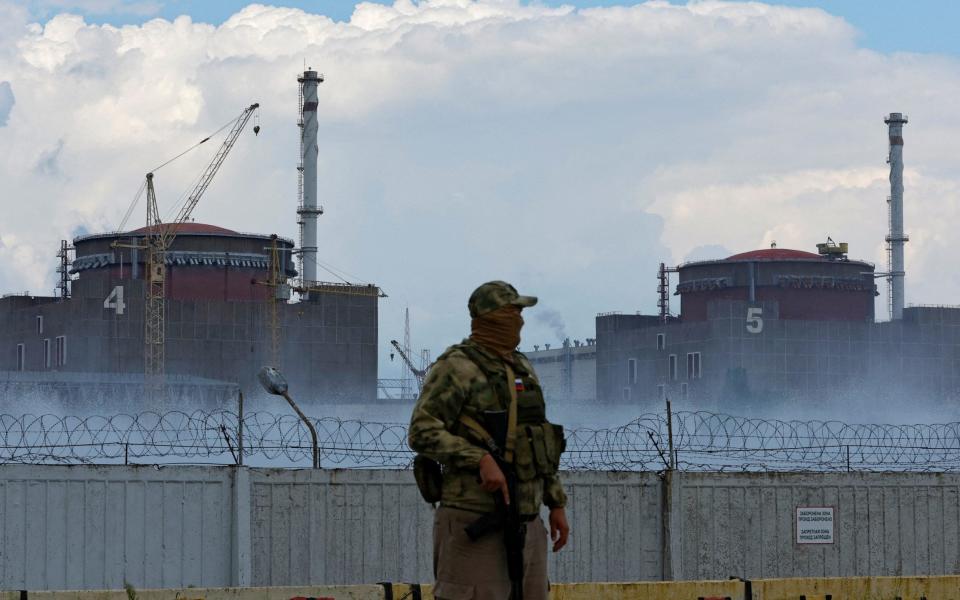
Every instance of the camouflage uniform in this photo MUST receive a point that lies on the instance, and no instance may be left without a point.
(467, 379)
(456, 385)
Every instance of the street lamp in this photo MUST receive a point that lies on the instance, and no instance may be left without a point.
(272, 381)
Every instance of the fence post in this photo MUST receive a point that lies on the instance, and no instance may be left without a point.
(240, 430)
(670, 551)
(671, 547)
(242, 546)
(673, 463)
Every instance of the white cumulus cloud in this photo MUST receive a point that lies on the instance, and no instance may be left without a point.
(567, 150)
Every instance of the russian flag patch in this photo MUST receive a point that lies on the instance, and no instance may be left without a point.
(518, 384)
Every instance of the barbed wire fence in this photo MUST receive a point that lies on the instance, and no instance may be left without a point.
(700, 441)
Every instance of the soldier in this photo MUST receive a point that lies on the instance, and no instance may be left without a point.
(482, 376)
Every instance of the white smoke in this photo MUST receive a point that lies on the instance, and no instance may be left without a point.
(554, 320)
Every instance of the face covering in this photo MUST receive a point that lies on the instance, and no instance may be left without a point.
(498, 330)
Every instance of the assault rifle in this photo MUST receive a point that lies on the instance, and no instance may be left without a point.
(505, 517)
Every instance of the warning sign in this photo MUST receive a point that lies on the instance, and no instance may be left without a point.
(814, 524)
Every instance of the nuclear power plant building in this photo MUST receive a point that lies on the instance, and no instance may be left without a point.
(777, 325)
(219, 321)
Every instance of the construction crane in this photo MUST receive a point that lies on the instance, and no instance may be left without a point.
(159, 237)
(279, 293)
(419, 374)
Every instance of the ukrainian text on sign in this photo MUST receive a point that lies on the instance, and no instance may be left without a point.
(814, 524)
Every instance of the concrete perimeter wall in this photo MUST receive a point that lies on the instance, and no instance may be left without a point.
(885, 524)
(81, 527)
(96, 527)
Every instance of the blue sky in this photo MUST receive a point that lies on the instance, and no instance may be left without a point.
(927, 26)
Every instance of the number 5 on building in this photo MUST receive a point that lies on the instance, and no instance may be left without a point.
(115, 300)
(755, 320)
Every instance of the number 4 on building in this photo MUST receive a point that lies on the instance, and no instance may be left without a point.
(755, 319)
(115, 300)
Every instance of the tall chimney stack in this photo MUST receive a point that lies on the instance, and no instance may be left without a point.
(308, 209)
(896, 238)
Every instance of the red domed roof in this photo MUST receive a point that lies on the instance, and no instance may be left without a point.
(193, 228)
(775, 254)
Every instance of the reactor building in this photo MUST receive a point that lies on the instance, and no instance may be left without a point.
(771, 326)
(225, 311)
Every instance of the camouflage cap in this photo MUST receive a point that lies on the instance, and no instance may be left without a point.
(494, 294)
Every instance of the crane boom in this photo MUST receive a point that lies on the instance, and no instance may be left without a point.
(159, 238)
(170, 229)
(418, 373)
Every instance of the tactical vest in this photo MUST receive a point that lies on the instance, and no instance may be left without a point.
(538, 443)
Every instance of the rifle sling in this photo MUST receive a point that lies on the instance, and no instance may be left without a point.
(512, 416)
(484, 435)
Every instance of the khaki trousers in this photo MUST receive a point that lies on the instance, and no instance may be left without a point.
(477, 570)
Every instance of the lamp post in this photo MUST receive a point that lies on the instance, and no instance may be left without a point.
(272, 381)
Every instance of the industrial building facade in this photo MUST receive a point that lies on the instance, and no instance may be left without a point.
(567, 373)
(218, 323)
(747, 354)
(763, 329)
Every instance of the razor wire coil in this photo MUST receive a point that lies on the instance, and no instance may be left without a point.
(703, 441)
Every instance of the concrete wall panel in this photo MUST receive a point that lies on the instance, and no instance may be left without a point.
(97, 527)
(617, 515)
(338, 527)
(885, 524)
(373, 526)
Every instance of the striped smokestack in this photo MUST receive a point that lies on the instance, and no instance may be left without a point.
(896, 238)
(308, 209)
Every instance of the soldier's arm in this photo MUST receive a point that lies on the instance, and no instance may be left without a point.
(435, 415)
(553, 494)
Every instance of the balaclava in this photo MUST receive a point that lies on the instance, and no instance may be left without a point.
(498, 330)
